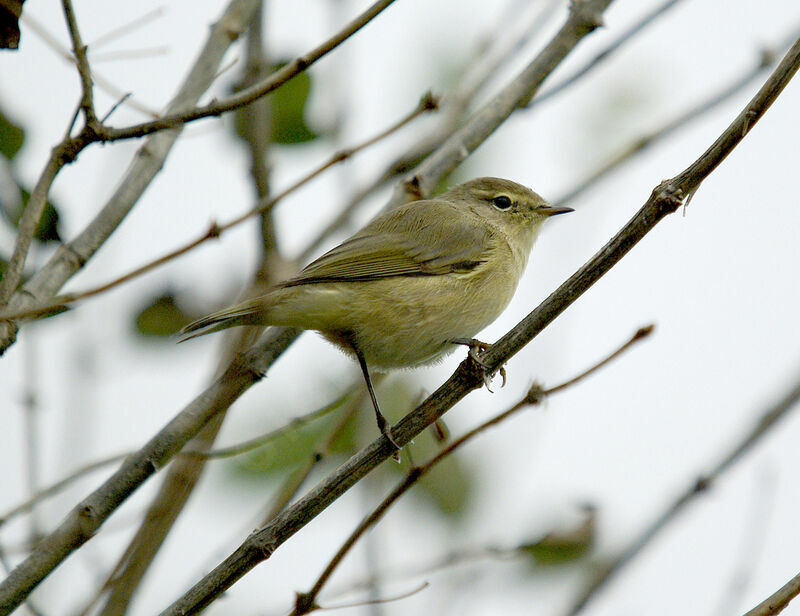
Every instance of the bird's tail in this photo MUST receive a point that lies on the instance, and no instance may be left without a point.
(250, 312)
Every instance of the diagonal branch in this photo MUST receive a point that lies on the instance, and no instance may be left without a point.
(665, 199)
(307, 602)
(779, 600)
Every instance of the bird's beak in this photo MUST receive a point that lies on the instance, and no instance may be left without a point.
(552, 210)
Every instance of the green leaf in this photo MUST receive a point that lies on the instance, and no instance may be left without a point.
(47, 229)
(162, 317)
(563, 547)
(450, 486)
(287, 109)
(11, 137)
(295, 446)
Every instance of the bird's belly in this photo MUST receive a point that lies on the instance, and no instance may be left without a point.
(414, 324)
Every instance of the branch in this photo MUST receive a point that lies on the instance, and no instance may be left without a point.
(763, 426)
(61, 155)
(147, 162)
(82, 62)
(665, 199)
(306, 602)
(779, 600)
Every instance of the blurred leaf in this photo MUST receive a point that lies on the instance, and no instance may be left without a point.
(3, 266)
(450, 486)
(47, 229)
(11, 137)
(162, 317)
(294, 447)
(287, 108)
(563, 547)
(10, 10)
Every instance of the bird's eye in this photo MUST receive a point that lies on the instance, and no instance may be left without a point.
(502, 202)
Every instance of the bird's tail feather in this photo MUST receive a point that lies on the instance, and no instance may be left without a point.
(246, 313)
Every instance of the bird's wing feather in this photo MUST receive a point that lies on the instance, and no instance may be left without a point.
(408, 241)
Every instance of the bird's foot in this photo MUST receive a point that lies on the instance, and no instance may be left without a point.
(475, 347)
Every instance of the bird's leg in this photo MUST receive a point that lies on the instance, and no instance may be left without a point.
(383, 425)
(475, 347)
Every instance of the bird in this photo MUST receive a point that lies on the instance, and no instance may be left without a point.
(412, 284)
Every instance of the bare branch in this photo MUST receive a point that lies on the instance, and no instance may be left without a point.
(147, 162)
(306, 602)
(779, 600)
(82, 62)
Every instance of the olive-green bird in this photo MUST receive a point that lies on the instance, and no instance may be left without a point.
(413, 283)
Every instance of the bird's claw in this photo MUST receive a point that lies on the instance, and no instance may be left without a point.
(475, 347)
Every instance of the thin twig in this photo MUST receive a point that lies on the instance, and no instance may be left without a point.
(82, 62)
(132, 26)
(391, 599)
(779, 600)
(260, 441)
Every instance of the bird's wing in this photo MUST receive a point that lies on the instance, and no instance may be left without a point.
(408, 241)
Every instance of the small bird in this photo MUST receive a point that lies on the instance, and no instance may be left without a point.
(412, 284)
